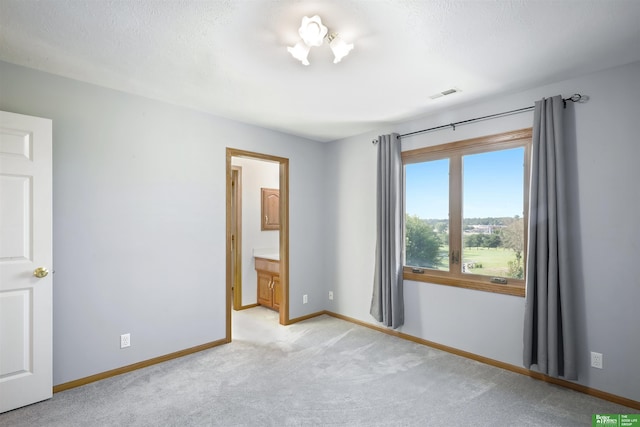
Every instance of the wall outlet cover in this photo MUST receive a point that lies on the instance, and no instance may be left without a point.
(596, 360)
(125, 340)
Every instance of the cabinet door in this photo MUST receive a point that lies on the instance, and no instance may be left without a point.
(270, 209)
(265, 293)
(277, 292)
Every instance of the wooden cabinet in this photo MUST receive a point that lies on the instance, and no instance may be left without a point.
(269, 288)
(265, 292)
(270, 209)
(277, 292)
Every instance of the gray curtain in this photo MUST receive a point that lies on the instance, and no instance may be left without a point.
(549, 331)
(387, 304)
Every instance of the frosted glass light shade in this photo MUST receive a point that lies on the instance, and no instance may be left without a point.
(300, 51)
(312, 31)
(339, 48)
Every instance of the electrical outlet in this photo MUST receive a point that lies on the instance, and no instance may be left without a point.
(330, 295)
(305, 299)
(596, 360)
(125, 340)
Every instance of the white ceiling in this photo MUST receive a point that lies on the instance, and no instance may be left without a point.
(229, 57)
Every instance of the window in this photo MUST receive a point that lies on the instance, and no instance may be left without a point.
(466, 208)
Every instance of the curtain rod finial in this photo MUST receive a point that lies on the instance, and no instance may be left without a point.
(576, 97)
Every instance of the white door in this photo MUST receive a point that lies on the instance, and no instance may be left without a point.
(25, 254)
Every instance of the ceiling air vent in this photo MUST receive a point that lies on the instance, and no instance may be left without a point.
(444, 93)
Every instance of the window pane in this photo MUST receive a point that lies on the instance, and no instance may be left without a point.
(493, 225)
(427, 210)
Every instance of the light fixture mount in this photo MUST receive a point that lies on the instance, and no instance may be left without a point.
(312, 33)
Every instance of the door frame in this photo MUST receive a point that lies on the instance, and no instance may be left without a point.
(284, 229)
(236, 254)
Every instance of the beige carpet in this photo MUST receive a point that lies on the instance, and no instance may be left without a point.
(321, 372)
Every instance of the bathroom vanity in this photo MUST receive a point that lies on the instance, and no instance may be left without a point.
(269, 287)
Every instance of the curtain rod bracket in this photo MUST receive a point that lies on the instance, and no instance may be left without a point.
(453, 126)
(576, 97)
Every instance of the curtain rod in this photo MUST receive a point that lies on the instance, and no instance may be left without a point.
(576, 97)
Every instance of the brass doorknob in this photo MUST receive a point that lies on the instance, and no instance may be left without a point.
(40, 272)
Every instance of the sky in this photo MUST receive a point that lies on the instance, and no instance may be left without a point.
(492, 186)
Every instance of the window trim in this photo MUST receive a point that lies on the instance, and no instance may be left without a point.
(454, 151)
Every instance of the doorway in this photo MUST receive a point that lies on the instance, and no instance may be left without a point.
(233, 243)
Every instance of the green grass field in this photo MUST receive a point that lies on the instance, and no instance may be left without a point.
(494, 261)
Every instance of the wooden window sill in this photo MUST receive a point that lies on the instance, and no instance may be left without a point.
(515, 289)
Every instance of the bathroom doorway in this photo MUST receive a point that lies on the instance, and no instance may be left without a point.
(234, 234)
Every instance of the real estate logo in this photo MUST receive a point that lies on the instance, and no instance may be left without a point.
(621, 420)
(605, 420)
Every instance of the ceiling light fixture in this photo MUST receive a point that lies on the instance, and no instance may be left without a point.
(313, 33)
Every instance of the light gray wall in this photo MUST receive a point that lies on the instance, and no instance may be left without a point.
(256, 174)
(139, 219)
(603, 147)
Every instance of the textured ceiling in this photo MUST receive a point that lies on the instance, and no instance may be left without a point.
(229, 57)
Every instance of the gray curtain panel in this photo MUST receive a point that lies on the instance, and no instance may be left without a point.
(387, 304)
(549, 330)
